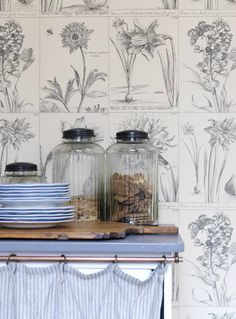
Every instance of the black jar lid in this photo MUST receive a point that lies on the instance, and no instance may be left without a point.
(21, 166)
(129, 135)
(78, 132)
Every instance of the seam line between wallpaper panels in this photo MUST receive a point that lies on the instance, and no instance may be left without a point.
(109, 76)
(39, 110)
(178, 114)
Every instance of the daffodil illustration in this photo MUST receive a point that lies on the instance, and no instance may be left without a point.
(222, 135)
(131, 42)
(194, 151)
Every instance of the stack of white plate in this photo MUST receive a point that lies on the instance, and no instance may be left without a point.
(35, 205)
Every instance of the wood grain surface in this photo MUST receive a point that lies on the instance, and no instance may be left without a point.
(86, 230)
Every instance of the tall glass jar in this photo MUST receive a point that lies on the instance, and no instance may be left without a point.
(79, 161)
(21, 172)
(132, 172)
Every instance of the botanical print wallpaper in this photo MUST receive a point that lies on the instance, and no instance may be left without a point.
(164, 66)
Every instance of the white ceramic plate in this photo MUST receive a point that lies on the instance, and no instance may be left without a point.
(37, 215)
(33, 202)
(31, 225)
(34, 191)
(34, 219)
(30, 186)
(18, 210)
(32, 194)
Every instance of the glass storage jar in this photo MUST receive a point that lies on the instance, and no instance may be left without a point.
(132, 173)
(79, 161)
(21, 172)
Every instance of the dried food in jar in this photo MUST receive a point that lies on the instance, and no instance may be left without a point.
(132, 198)
(86, 207)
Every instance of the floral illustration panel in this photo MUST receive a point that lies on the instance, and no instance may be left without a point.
(191, 4)
(80, 83)
(31, 6)
(207, 166)
(143, 67)
(142, 5)
(94, 7)
(163, 133)
(208, 4)
(207, 313)
(208, 64)
(19, 139)
(53, 125)
(210, 257)
(19, 71)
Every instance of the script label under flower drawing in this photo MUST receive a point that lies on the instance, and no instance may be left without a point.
(213, 235)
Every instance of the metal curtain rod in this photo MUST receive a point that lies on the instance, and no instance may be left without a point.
(10, 258)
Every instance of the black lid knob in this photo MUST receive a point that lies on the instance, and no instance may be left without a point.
(20, 166)
(128, 135)
(78, 132)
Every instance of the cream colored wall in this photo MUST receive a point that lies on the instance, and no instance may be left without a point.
(179, 87)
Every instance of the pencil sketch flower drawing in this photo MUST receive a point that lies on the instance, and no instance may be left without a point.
(170, 4)
(193, 150)
(224, 316)
(75, 37)
(215, 4)
(55, 6)
(213, 235)
(160, 137)
(5, 5)
(12, 135)
(222, 135)
(14, 61)
(212, 42)
(146, 41)
(51, 5)
(211, 4)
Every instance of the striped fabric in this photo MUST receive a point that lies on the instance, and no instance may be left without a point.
(62, 292)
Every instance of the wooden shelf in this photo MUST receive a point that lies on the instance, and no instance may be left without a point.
(86, 230)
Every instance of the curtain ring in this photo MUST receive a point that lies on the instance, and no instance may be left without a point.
(9, 257)
(65, 261)
(115, 259)
(165, 261)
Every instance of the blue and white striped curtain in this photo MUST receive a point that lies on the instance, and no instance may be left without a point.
(62, 292)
